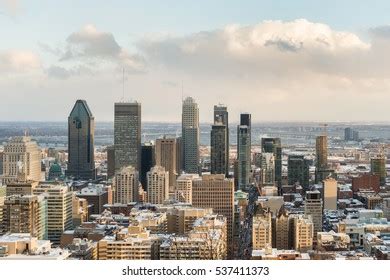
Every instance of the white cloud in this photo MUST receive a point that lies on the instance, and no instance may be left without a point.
(18, 61)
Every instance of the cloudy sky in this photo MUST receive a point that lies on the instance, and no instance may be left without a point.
(279, 60)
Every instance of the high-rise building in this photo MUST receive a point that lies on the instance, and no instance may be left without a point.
(220, 141)
(351, 134)
(2, 198)
(267, 169)
(216, 192)
(25, 214)
(110, 161)
(298, 170)
(21, 160)
(126, 185)
(59, 209)
(314, 208)
(378, 167)
(262, 231)
(81, 149)
(158, 185)
(321, 158)
(244, 151)
(330, 194)
(1, 164)
(282, 231)
(190, 135)
(148, 160)
(302, 232)
(183, 187)
(127, 135)
(166, 156)
(274, 145)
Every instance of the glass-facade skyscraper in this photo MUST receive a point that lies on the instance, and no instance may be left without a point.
(190, 135)
(81, 129)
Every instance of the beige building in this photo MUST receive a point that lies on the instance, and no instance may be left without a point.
(126, 185)
(313, 208)
(166, 156)
(21, 160)
(181, 219)
(79, 210)
(59, 206)
(2, 198)
(262, 231)
(158, 185)
(206, 241)
(183, 188)
(216, 192)
(25, 214)
(21, 188)
(330, 194)
(132, 243)
(303, 232)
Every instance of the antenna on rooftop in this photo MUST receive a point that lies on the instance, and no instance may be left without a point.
(182, 91)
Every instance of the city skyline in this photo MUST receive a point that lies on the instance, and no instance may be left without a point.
(288, 61)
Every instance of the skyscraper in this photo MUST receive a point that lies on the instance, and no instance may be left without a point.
(148, 160)
(267, 166)
(274, 145)
(166, 156)
(190, 135)
(25, 214)
(21, 160)
(220, 132)
(158, 185)
(298, 170)
(126, 185)
(244, 151)
(127, 135)
(330, 194)
(59, 207)
(218, 139)
(81, 129)
(314, 208)
(217, 192)
(110, 161)
(321, 157)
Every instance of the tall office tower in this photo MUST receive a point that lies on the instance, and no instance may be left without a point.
(216, 192)
(244, 151)
(314, 208)
(110, 161)
(267, 167)
(218, 143)
(21, 160)
(148, 160)
(190, 135)
(303, 233)
(348, 134)
(81, 149)
(183, 187)
(282, 231)
(298, 170)
(25, 214)
(166, 149)
(321, 157)
(262, 231)
(378, 167)
(59, 208)
(126, 185)
(221, 118)
(274, 145)
(179, 155)
(330, 194)
(158, 185)
(127, 135)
